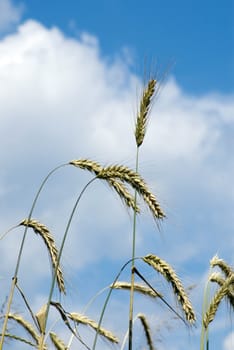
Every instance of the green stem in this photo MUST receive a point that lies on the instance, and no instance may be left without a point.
(14, 278)
(106, 302)
(204, 332)
(60, 254)
(130, 338)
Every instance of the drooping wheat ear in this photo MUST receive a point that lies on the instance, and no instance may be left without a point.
(169, 274)
(79, 318)
(214, 304)
(47, 237)
(134, 179)
(226, 269)
(16, 337)
(147, 331)
(142, 116)
(140, 288)
(58, 343)
(28, 327)
(119, 187)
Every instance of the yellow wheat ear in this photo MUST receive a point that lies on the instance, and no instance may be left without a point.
(48, 238)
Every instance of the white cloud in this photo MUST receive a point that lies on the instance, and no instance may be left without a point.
(10, 14)
(59, 100)
(229, 342)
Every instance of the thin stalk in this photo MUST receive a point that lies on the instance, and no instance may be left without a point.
(59, 256)
(106, 302)
(204, 332)
(133, 265)
(14, 278)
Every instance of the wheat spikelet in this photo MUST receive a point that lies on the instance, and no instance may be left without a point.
(124, 194)
(26, 325)
(147, 331)
(131, 177)
(87, 164)
(217, 277)
(142, 115)
(216, 261)
(140, 288)
(214, 304)
(166, 270)
(47, 237)
(79, 318)
(58, 343)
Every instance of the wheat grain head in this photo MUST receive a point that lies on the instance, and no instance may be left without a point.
(147, 330)
(139, 288)
(134, 179)
(58, 343)
(48, 239)
(142, 116)
(79, 318)
(169, 274)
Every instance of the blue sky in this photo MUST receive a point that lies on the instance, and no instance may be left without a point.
(71, 78)
(193, 39)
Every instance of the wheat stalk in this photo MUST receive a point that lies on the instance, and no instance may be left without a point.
(169, 274)
(79, 318)
(147, 331)
(134, 179)
(140, 288)
(47, 237)
(142, 115)
(58, 343)
(214, 304)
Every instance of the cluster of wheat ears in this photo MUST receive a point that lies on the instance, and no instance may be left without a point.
(129, 186)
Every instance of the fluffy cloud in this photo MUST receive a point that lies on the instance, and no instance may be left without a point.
(9, 14)
(229, 342)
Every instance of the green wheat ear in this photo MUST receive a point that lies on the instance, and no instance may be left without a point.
(142, 116)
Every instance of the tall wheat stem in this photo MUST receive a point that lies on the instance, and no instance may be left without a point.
(14, 278)
(133, 265)
(204, 340)
(59, 257)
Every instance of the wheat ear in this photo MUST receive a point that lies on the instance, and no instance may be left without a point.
(47, 237)
(119, 187)
(141, 122)
(58, 343)
(79, 318)
(16, 337)
(134, 179)
(169, 274)
(140, 288)
(226, 269)
(147, 331)
(26, 325)
(214, 304)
